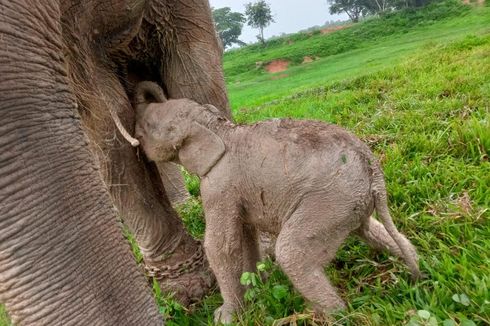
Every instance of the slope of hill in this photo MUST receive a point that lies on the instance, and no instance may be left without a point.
(371, 47)
(295, 47)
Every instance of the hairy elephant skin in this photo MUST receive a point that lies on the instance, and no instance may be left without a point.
(310, 183)
(110, 49)
(65, 66)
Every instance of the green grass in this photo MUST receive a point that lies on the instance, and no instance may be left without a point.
(4, 320)
(428, 119)
(421, 100)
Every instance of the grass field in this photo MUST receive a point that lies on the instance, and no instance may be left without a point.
(421, 100)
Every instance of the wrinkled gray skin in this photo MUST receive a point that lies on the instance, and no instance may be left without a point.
(310, 183)
(65, 67)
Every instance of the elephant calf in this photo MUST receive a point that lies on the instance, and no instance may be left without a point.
(309, 183)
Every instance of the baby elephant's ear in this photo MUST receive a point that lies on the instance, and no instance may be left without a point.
(201, 150)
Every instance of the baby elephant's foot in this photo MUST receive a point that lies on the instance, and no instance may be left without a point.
(224, 314)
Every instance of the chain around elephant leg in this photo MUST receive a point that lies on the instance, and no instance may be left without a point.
(184, 272)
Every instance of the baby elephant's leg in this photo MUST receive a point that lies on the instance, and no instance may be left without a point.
(223, 245)
(303, 249)
(376, 236)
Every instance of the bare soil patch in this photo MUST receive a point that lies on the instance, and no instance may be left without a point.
(277, 66)
(474, 2)
(308, 59)
(331, 29)
(279, 76)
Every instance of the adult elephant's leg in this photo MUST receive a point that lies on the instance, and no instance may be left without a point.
(171, 254)
(97, 67)
(63, 259)
(174, 183)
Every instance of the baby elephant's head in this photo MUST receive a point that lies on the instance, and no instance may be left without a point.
(160, 127)
(168, 130)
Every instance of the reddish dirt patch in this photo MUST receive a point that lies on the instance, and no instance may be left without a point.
(277, 66)
(331, 29)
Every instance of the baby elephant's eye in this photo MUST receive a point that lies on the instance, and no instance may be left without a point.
(171, 129)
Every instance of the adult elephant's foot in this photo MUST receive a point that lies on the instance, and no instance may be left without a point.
(185, 272)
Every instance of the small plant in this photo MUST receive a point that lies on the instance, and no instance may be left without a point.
(169, 307)
(270, 295)
(132, 242)
(422, 318)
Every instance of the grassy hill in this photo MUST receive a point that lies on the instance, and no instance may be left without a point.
(295, 47)
(360, 49)
(416, 87)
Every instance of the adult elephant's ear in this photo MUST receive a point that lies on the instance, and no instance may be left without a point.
(201, 150)
(147, 92)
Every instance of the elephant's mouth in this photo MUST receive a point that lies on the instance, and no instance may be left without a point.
(136, 72)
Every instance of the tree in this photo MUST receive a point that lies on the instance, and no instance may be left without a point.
(229, 25)
(358, 8)
(379, 6)
(259, 16)
(353, 8)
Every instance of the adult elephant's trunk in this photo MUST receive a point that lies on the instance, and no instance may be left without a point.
(63, 259)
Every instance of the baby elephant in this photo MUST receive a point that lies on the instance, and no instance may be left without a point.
(310, 183)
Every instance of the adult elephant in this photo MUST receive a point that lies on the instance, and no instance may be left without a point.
(65, 66)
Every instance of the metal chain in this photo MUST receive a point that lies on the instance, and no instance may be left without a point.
(173, 272)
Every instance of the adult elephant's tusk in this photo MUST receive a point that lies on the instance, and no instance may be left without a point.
(133, 141)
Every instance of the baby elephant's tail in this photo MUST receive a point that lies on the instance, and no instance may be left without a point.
(408, 252)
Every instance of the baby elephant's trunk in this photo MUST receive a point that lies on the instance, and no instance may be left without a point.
(148, 92)
(409, 254)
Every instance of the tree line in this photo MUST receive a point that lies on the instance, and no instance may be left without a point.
(356, 9)
(258, 15)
